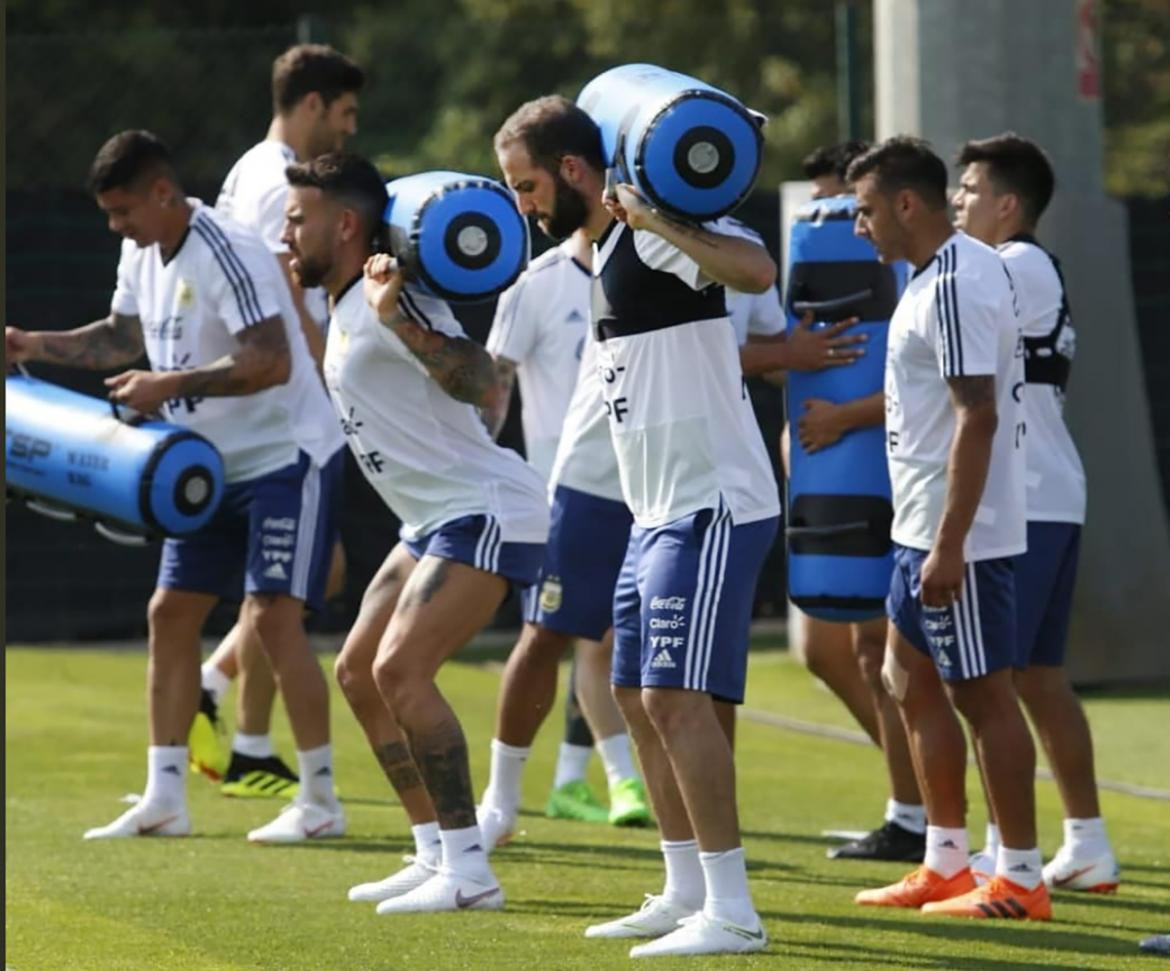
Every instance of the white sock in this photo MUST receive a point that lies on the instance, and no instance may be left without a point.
(503, 791)
(214, 680)
(572, 762)
(617, 758)
(906, 815)
(946, 850)
(463, 853)
(728, 897)
(1086, 837)
(428, 847)
(1020, 866)
(991, 841)
(166, 776)
(685, 883)
(255, 746)
(316, 772)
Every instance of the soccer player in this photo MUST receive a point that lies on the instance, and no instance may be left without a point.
(314, 95)
(697, 480)
(406, 384)
(538, 337)
(954, 437)
(205, 299)
(1005, 186)
(848, 657)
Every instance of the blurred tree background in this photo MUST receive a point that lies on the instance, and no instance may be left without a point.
(444, 74)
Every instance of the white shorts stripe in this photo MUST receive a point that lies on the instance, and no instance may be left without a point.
(723, 546)
(481, 545)
(306, 531)
(977, 641)
(963, 633)
(694, 634)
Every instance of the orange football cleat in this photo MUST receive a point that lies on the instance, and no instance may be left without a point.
(998, 898)
(917, 888)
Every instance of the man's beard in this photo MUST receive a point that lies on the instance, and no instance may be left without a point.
(569, 211)
(309, 274)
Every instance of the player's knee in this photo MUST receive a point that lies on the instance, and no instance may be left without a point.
(987, 701)
(668, 710)
(348, 674)
(394, 674)
(894, 677)
(166, 611)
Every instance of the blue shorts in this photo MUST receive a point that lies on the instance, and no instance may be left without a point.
(475, 540)
(276, 531)
(682, 609)
(974, 636)
(1045, 577)
(586, 546)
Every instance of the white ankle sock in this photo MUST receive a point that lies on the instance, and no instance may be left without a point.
(572, 761)
(685, 883)
(166, 776)
(427, 844)
(463, 852)
(728, 897)
(946, 850)
(991, 841)
(1086, 837)
(214, 680)
(1020, 866)
(503, 791)
(617, 758)
(906, 815)
(316, 772)
(255, 746)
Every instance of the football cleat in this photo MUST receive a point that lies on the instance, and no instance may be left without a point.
(918, 887)
(414, 874)
(1094, 874)
(701, 934)
(982, 867)
(301, 821)
(495, 826)
(447, 890)
(890, 841)
(999, 898)
(575, 800)
(207, 741)
(144, 820)
(627, 804)
(656, 916)
(252, 778)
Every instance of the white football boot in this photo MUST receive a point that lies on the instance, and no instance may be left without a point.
(300, 821)
(447, 890)
(417, 872)
(656, 916)
(700, 934)
(144, 819)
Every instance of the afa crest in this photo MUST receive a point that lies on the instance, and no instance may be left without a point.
(186, 295)
(551, 595)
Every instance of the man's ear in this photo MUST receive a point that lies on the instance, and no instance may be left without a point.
(1007, 205)
(163, 191)
(312, 103)
(572, 169)
(350, 225)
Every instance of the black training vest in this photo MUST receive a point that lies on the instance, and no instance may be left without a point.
(1043, 362)
(631, 298)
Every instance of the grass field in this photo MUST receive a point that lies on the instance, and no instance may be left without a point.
(75, 744)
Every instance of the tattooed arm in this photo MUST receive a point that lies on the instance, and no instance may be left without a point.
(459, 366)
(107, 343)
(496, 412)
(973, 401)
(731, 260)
(262, 361)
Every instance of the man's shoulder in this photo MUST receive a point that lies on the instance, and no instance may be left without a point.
(265, 160)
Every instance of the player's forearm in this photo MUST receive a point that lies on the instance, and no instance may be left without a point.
(459, 366)
(109, 343)
(731, 260)
(496, 412)
(758, 358)
(967, 465)
(867, 412)
(231, 376)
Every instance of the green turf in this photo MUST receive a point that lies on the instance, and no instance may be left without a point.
(75, 744)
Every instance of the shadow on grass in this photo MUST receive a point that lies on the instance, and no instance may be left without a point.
(1108, 902)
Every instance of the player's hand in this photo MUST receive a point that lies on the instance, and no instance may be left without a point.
(629, 206)
(144, 391)
(942, 576)
(811, 350)
(20, 345)
(821, 424)
(383, 283)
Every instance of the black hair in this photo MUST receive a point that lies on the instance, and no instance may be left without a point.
(306, 68)
(1014, 165)
(129, 158)
(904, 162)
(349, 178)
(832, 159)
(551, 128)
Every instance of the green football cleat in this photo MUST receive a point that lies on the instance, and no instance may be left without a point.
(207, 743)
(575, 800)
(628, 805)
(252, 778)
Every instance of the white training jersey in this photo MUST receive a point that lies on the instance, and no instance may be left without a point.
(752, 314)
(956, 318)
(540, 325)
(1055, 477)
(681, 421)
(193, 307)
(254, 194)
(428, 456)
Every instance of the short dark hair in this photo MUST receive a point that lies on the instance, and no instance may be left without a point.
(832, 159)
(306, 68)
(904, 162)
(129, 158)
(349, 178)
(1016, 165)
(551, 128)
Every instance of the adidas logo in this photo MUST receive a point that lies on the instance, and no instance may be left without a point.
(1021, 868)
(276, 572)
(663, 660)
(947, 845)
(474, 848)
(172, 769)
(323, 771)
(574, 316)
